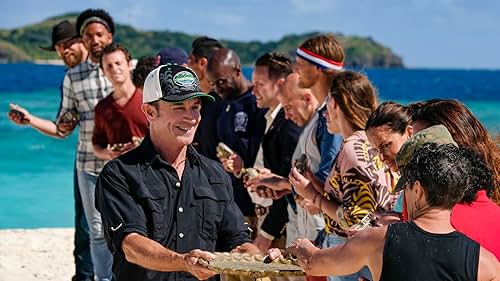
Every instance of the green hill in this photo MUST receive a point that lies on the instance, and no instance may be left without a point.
(23, 44)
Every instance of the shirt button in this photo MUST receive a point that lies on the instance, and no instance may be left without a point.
(181, 235)
(178, 184)
(181, 209)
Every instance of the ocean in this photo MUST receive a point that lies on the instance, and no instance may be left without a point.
(36, 172)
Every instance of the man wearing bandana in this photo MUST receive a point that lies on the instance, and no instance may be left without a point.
(83, 87)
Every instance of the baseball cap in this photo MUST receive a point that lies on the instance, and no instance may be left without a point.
(172, 83)
(435, 134)
(172, 55)
(61, 32)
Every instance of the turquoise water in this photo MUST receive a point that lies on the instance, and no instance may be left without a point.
(36, 171)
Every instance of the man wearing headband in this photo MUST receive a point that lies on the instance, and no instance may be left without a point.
(84, 86)
(317, 58)
(164, 205)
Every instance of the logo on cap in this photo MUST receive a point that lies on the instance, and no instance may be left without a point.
(184, 78)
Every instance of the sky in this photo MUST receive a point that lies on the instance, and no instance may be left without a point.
(425, 33)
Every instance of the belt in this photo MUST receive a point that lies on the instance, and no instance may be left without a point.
(261, 210)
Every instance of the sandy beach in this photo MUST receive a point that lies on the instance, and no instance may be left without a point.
(36, 254)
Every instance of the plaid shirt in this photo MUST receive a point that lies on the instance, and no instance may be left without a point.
(83, 87)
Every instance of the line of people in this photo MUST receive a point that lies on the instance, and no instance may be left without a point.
(183, 156)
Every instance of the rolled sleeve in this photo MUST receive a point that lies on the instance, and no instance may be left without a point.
(275, 221)
(120, 214)
(68, 101)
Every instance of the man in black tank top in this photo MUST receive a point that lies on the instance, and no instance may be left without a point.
(425, 248)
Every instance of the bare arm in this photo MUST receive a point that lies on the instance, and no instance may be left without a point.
(365, 248)
(489, 266)
(104, 153)
(306, 189)
(109, 153)
(21, 116)
(270, 180)
(315, 182)
(149, 254)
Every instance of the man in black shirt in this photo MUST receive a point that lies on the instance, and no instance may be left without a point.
(163, 205)
(434, 172)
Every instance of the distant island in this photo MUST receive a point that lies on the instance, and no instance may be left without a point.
(22, 44)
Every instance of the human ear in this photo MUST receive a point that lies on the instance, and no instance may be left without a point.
(149, 111)
(409, 130)
(279, 84)
(419, 191)
(203, 62)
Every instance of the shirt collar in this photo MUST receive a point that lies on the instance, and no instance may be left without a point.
(321, 107)
(271, 115)
(151, 156)
(245, 95)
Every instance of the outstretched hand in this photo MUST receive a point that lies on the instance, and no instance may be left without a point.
(299, 182)
(303, 249)
(18, 115)
(233, 164)
(197, 270)
(274, 253)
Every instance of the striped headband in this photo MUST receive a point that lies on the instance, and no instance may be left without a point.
(94, 19)
(318, 60)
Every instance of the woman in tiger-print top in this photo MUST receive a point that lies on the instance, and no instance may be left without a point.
(359, 183)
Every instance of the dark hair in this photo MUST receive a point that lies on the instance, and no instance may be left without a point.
(481, 177)
(442, 170)
(355, 96)
(325, 45)
(113, 47)
(144, 66)
(279, 65)
(100, 13)
(466, 130)
(203, 47)
(394, 115)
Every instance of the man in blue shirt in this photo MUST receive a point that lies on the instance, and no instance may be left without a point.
(241, 124)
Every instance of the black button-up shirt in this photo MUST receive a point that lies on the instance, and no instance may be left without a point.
(141, 193)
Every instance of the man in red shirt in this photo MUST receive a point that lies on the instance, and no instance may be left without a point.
(120, 123)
